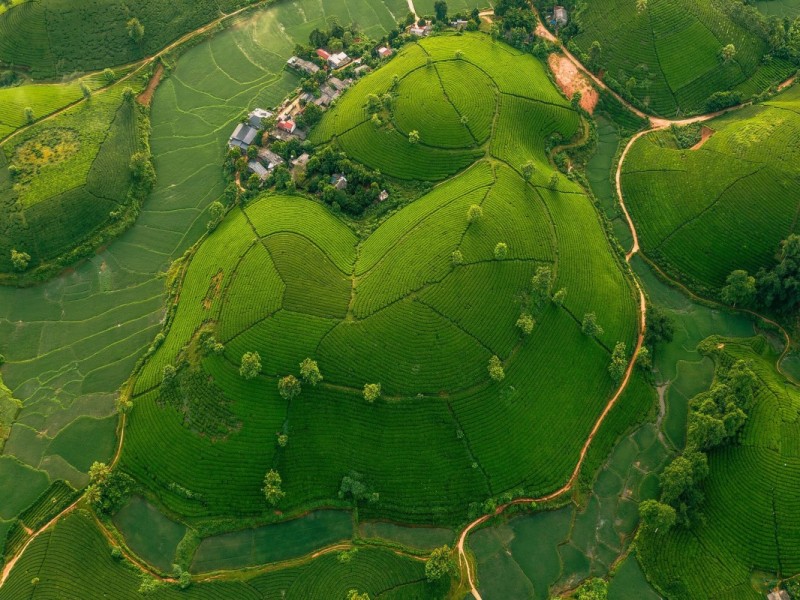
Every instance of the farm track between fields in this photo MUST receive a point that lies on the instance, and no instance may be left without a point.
(464, 561)
(655, 125)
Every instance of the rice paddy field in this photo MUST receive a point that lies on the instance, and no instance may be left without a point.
(48, 569)
(672, 50)
(727, 205)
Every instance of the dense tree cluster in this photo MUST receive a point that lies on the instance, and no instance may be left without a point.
(354, 488)
(440, 564)
(363, 185)
(107, 489)
(715, 419)
(776, 289)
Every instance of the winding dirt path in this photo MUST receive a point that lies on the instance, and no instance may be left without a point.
(412, 9)
(656, 123)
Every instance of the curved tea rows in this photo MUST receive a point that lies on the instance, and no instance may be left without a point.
(287, 279)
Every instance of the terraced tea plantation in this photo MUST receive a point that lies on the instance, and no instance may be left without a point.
(667, 54)
(420, 307)
(726, 205)
(64, 179)
(751, 514)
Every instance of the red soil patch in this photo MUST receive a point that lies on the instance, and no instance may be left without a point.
(147, 95)
(571, 80)
(705, 134)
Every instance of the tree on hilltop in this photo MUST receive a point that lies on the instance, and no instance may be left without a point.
(457, 258)
(474, 213)
(528, 170)
(289, 387)
(595, 51)
(309, 371)
(495, 368)
(413, 137)
(589, 325)
(20, 260)
(500, 250)
(641, 6)
(740, 288)
(728, 53)
(251, 365)
(135, 30)
(656, 517)
(354, 595)
(619, 362)
(372, 391)
(272, 487)
(28, 114)
(541, 283)
(440, 564)
(526, 323)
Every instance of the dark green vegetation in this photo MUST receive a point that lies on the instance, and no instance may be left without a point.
(50, 38)
(703, 213)
(749, 508)
(351, 303)
(69, 183)
(666, 55)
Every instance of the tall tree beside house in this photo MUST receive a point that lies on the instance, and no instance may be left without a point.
(440, 9)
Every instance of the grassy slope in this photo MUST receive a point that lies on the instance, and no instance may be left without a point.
(726, 206)
(751, 508)
(672, 49)
(305, 249)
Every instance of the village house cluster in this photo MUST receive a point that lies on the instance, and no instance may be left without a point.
(284, 126)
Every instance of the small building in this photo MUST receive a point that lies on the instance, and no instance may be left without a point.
(306, 97)
(242, 137)
(362, 70)
(339, 84)
(559, 15)
(323, 54)
(338, 181)
(337, 61)
(299, 64)
(778, 595)
(288, 126)
(418, 31)
(269, 159)
(256, 167)
(385, 52)
(256, 118)
(384, 195)
(301, 161)
(459, 24)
